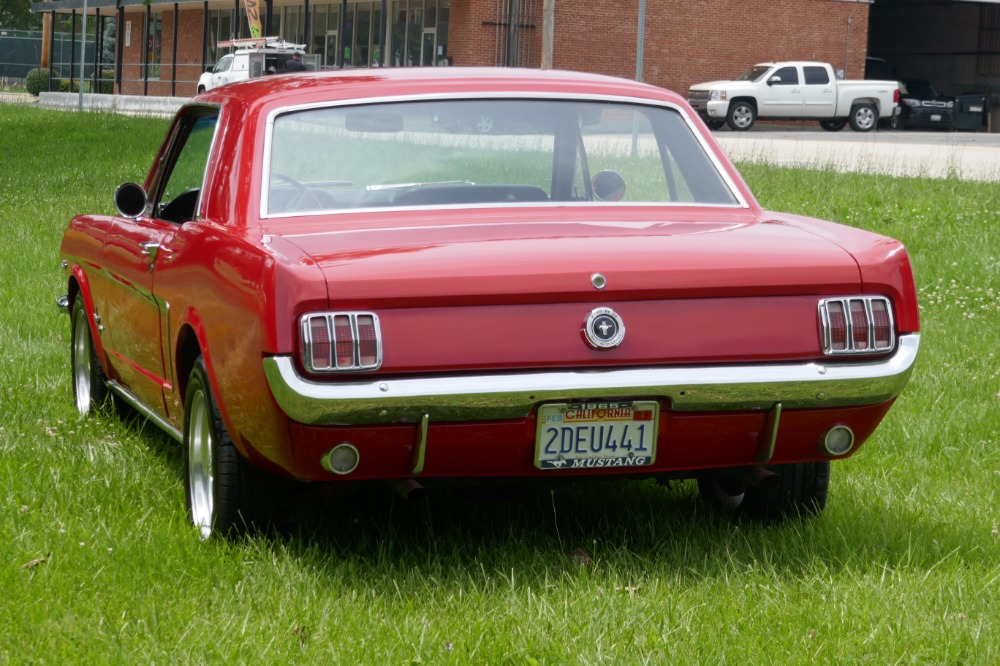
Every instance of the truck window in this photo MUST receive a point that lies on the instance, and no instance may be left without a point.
(816, 76)
(789, 76)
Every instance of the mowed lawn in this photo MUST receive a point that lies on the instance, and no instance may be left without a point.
(99, 564)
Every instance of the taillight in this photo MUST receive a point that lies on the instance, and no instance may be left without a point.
(341, 342)
(856, 325)
(895, 96)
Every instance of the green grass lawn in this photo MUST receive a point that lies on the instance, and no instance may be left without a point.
(100, 565)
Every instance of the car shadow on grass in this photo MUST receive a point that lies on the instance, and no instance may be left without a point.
(615, 527)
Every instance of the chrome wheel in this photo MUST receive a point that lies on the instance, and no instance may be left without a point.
(201, 481)
(741, 116)
(89, 388)
(863, 118)
(82, 361)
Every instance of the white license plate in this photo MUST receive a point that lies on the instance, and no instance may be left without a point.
(935, 117)
(579, 435)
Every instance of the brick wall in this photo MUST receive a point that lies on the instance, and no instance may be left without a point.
(180, 81)
(685, 42)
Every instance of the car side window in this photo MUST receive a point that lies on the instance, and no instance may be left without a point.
(789, 77)
(179, 199)
(816, 76)
(224, 64)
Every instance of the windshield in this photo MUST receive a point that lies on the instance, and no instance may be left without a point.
(486, 152)
(755, 73)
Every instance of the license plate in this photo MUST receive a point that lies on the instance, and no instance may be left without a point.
(935, 117)
(587, 435)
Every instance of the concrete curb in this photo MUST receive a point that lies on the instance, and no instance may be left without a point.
(125, 104)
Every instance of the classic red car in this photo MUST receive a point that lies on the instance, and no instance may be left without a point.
(326, 278)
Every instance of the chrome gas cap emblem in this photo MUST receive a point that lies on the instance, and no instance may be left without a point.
(599, 281)
(604, 329)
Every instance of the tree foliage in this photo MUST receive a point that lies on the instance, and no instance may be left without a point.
(16, 15)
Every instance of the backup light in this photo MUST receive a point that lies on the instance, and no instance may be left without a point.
(856, 325)
(838, 441)
(341, 459)
(341, 342)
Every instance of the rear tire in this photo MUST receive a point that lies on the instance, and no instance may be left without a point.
(800, 489)
(833, 125)
(741, 117)
(715, 124)
(90, 387)
(221, 484)
(863, 118)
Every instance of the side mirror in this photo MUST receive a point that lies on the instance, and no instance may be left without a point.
(130, 200)
(608, 186)
(774, 79)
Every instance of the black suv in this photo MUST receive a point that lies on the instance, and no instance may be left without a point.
(922, 105)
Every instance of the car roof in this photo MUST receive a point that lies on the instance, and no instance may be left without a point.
(357, 84)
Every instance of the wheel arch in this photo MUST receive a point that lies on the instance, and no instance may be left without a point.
(78, 286)
(187, 351)
(867, 100)
(746, 98)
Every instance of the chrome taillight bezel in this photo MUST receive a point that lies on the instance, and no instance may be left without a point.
(357, 363)
(851, 347)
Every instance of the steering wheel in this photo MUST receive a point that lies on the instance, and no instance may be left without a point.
(302, 192)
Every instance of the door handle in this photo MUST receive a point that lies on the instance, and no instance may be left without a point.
(149, 249)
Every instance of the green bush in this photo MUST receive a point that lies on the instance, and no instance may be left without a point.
(106, 86)
(36, 81)
(69, 85)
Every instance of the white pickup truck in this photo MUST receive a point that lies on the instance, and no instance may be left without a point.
(795, 90)
(253, 58)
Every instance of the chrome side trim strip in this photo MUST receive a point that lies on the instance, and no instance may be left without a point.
(140, 407)
(514, 395)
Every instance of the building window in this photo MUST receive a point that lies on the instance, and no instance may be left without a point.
(153, 47)
(988, 58)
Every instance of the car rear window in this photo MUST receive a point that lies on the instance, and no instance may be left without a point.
(486, 152)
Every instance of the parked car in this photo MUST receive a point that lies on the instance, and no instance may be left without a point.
(794, 91)
(922, 105)
(253, 58)
(317, 281)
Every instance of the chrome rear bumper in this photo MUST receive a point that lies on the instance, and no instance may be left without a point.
(514, 395)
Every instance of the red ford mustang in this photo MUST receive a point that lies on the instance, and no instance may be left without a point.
(453, 275)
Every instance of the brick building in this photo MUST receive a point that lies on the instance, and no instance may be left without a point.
(162, 46)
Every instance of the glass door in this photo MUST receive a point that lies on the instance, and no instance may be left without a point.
(330, 49)
(428, 47)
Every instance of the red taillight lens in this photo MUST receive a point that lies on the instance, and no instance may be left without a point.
(344, 334)
(368, 343)
(856, 325)
(859, 325)
(837, 325)
(341, 342)
(319, 349)
(882, 321)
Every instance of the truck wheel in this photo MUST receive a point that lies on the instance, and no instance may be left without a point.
(201, 89)
(863, 118)
(833, 125)
(741, 117)
(715, 124)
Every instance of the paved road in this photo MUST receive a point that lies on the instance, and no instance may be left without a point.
(967, 155)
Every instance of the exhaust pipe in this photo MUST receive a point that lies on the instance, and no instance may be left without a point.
(755, 476)
(408, 489)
